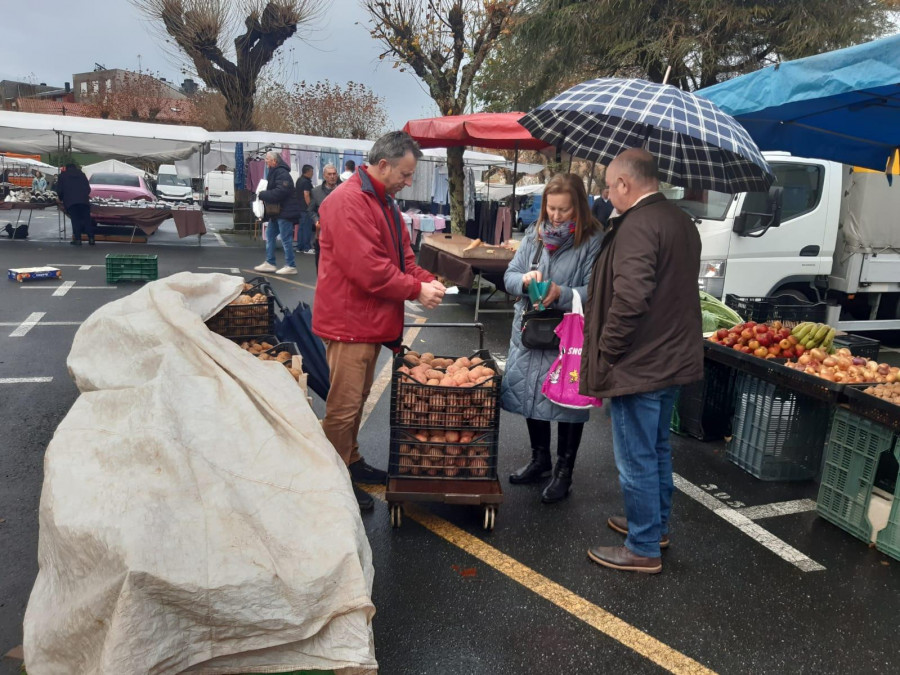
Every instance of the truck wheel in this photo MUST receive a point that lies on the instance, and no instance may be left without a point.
(794, 294)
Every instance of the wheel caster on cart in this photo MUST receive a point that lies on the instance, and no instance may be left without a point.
(396, 511)
(490, 516)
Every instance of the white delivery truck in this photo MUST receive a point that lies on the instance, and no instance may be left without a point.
(172, 187)
(824, 233)
(218, 190)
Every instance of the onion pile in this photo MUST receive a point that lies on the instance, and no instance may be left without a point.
(843, 367)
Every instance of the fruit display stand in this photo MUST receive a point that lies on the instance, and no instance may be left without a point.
(704, 409)
(860, 471)
(444, 440)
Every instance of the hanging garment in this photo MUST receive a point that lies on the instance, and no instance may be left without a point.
(503, 226)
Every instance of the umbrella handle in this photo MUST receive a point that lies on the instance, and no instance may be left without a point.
(268, 287)
(479, 326)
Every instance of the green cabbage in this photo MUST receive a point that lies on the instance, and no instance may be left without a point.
(716, 314)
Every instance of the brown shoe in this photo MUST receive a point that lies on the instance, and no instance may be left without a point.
(620, 525)
(620, 558)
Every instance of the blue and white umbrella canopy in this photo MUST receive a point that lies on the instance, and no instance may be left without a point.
(696, 145)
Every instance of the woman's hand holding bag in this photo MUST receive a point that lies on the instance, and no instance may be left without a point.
(563, 379)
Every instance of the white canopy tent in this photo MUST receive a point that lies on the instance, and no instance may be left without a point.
(112, 166)
(31, 164)
(34, 133)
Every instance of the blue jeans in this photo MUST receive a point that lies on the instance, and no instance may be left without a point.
(279, 227)
(305, 234)
(640, 424)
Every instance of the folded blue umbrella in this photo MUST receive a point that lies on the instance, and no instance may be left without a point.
(296, 326)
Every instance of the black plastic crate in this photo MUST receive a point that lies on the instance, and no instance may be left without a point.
(863, 347)
(774, 372)
(778, 433)
(791, 311)
(416, 405)
(421, 453)
(852, 456)
(750, 309)
(248, 319)
(704, 409)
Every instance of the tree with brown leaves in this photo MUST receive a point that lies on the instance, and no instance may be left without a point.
(202, 30)
(445, 43)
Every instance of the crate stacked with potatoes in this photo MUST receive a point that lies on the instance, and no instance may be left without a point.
(251, 313)
(445, 416)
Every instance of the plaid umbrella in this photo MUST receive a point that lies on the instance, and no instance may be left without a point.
(695, 144)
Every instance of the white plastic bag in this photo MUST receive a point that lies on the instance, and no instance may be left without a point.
(259, 207)
(194, 518)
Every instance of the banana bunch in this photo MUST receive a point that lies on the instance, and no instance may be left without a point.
(812, 335)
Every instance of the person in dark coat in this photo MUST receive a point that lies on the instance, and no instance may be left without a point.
(73, 191)
(280, 193)
(569, 239)
(642, 322)
(602, 207)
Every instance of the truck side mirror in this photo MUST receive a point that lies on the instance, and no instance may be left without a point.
(757, 222)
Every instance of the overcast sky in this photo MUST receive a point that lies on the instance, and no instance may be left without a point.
(51, 40)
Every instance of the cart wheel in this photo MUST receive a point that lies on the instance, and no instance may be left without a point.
(490, 516)
(396, 515)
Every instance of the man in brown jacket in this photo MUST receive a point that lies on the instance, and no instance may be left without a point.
(641, 342)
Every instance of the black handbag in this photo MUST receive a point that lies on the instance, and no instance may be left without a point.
(539, 326)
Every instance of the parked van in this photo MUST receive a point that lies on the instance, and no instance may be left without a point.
(530, 209)
(172, 187)
(218, 190)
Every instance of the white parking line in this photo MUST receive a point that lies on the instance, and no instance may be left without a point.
(24, 380)
(41, 323)
(219, 239)
(63, 288)
(233, 270)
(744, 524)
(85, 267)
(73, 288)
(29, 323)
(778, 509)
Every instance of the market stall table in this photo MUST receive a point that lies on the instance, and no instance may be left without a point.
(23, 206)
(445, 256)
(148, 220)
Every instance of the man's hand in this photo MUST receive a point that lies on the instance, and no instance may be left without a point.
(552, 295)
(528, 277)
(430, 296)
(438, 285)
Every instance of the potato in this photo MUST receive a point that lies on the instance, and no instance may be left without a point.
(452, 436)
(454, 450)
(427, 357)
(433, 374)
(296, 373)
(478, 467)
(266, 345)
(406, 464)
(437, 438)
(411, 359)
(433, 382)
(403, 369)
(451, 471)
(281, 357)
(476, 360)
(421, 436)
(448, 382)
(466, 437)
(413, 352)
(264, 357)
(463, 362)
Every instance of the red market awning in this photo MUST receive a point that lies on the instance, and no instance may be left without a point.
(500, 131)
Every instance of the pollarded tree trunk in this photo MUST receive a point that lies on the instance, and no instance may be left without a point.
(456, 181)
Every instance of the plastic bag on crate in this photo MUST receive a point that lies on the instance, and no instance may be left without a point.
(194, 518)
(564, 377)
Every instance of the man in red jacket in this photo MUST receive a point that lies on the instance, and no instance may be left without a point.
(367, 270)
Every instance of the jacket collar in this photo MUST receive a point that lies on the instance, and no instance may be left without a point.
(644, 201)
(372, 186)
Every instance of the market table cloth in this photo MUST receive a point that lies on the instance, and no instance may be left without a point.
(23, 206)
(187, 222)
(194, 517)
(461, 271)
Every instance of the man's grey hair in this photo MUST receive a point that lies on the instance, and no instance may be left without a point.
(392, 147)
(273, 154)
(639, 164)
(328, 166)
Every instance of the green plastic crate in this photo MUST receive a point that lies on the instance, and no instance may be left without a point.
(131, 267)
(889, 538)
(854, 449)
(778, 433)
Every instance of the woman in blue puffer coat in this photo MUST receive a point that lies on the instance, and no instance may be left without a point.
(568, 237)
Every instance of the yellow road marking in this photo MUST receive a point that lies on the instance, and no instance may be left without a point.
(275, 277)
(621, 631)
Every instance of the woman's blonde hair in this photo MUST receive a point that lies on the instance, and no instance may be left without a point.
(568, 183)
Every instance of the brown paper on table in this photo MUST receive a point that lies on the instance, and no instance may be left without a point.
(455, 244)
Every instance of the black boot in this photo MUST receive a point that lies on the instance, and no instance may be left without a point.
(568, 442)
(536, 470)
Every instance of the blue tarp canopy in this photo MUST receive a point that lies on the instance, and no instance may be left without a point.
(842, 105)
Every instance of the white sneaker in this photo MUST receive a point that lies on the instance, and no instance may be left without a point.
(265, 267)
(311, 251)
(287, 270)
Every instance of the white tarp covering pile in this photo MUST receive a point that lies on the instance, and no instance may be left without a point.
(194, 518)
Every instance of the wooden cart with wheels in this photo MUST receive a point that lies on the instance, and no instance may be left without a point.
(445, 437)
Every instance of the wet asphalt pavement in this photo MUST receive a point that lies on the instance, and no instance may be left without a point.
(723, 599)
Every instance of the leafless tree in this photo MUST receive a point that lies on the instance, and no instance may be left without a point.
(444, 42)
(231, 42)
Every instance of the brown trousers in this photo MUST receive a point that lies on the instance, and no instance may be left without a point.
(352, 366)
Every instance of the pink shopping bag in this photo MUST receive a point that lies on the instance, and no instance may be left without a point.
(561, 383)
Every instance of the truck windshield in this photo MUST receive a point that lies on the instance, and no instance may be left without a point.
(171, 179)
(706, 204)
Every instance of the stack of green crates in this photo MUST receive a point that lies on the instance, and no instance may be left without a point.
(131, 267)
(855, 447)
